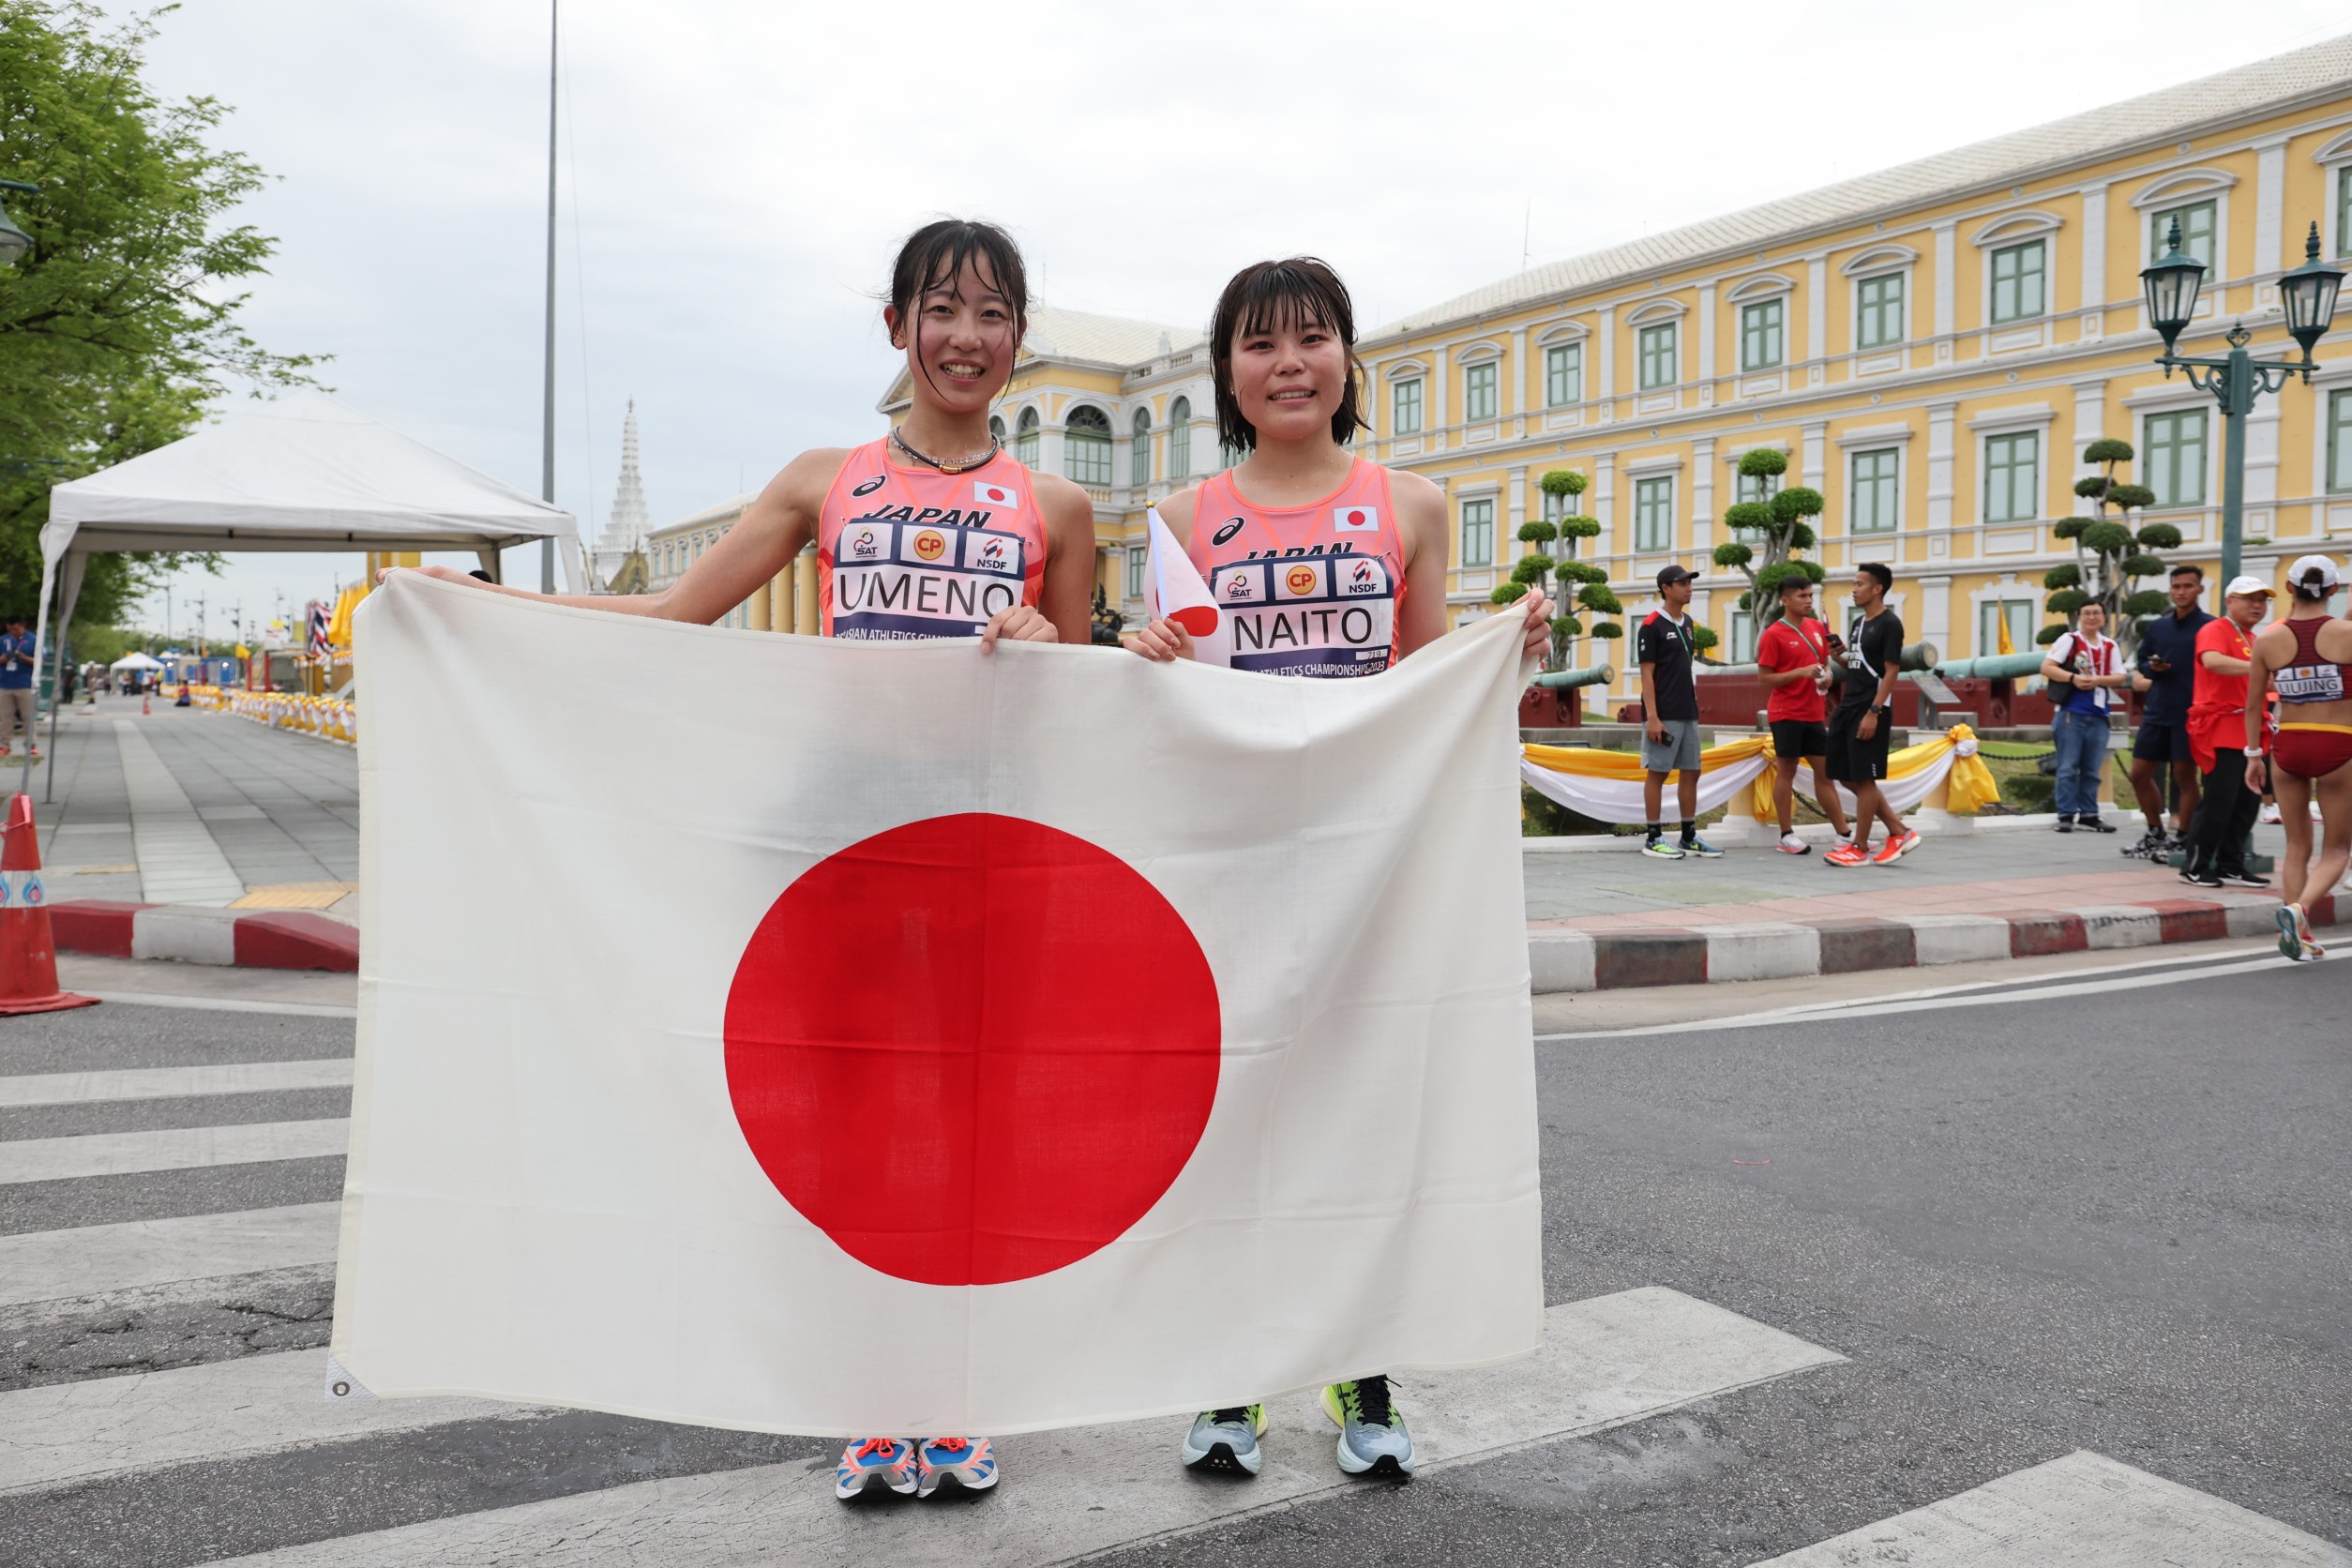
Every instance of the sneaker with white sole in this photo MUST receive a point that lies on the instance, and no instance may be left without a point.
(1227, 1439)
(875, 1465)
(1699, 847)
(1658, 848)
(1906, 844)
(966, 1464)
(1372, 1436)
(1791, 844)
(1847, 854)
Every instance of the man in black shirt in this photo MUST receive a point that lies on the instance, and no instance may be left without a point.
(1865, 714)
(1669, 707)
(2167, 662)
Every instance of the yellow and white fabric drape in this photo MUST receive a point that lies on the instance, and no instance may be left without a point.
(1606, 786)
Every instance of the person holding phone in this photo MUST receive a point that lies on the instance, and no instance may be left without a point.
(2167, 666)
(1858, 730)
(2084, 669)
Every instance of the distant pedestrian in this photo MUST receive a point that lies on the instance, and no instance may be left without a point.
(1793, 657)
(1861, 727)
(19, 659)
(2216, 728)
(2084, 668)
(2167, 661)
(2308, 658)
(1669, 707)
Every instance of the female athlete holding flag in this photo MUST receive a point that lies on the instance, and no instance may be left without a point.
(930, 532)
(1323, 565)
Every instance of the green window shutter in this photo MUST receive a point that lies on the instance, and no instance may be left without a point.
(2196, 232)
(1478, 393)
(1653, 513)
(1478, 533)
(1408, 407)
(1563, 375)
(1875, 492)
(2018, 294)
(2340, 441)
(1880, 311)
(1657, 356)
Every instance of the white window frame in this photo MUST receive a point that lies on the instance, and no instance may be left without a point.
(1487, 521)
(1397, 405)
(1853, 460)
(1645, 487)
(1984, 474)
(2205, 469)
(2007, 231)
(1574, 348)
(1879, 261)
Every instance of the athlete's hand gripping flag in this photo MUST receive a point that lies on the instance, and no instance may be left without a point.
(1179, 593)
(908, 1047)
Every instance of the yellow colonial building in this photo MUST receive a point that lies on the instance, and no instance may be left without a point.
(1932, 346)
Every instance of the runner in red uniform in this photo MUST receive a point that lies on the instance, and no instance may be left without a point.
(931, 532)
(1793, 654)
(1324, 566)
(2308, 658)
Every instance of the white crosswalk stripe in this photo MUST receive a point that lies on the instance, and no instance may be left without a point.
(163, 1083)
(59, 1159)
(1607, 1360)
(130, 1255)
(2082, 1511)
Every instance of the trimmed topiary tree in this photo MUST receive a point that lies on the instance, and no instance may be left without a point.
(1543, 561)
(1780, 523)
(2110, 556)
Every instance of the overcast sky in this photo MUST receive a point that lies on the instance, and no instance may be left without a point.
(736, 175)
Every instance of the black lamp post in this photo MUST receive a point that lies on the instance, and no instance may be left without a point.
(14, 241)
(2236, 379)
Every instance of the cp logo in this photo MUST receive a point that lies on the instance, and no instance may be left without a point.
(1299, 579)
(930, 546)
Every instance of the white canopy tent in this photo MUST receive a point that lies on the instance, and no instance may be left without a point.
(304, 473)
(136, 660)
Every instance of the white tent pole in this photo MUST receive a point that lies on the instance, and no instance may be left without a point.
(41, 636)
(69, 596)
(547, 429)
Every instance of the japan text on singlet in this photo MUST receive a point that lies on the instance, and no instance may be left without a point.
(907, 554)
(1305, 590)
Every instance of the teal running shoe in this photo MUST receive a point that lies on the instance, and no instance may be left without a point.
(1372, 1436)
(1227, 1439)
(1699, 847)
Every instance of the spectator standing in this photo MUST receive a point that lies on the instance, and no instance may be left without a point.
(2168, 663)
(19, 659)
(2084, 669)
(2216, 731)
(1793, 655)
(1858, 730)
(1669, 708)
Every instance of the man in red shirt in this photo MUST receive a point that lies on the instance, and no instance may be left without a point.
(1793, 657)
(2215, 856)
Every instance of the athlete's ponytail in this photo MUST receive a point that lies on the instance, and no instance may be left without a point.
(1269, 295)
(935, 255)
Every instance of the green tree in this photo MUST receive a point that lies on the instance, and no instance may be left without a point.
(1779, 525)
(121, 323)
(2110, 556)
(1555, 556)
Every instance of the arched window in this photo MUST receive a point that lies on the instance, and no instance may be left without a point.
(1140, 472)
(1086, 441)
(1179, 438)
(1229, 456)
(1025, 438)
(996, 428)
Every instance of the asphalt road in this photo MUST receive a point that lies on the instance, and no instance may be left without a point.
(2092, 1207)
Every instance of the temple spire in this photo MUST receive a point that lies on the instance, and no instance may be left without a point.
(627, 525)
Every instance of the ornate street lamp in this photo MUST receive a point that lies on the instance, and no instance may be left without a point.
(2237, 378)
(14, 241)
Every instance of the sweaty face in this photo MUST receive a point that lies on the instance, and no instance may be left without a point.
(1289, 377)
(959, 340)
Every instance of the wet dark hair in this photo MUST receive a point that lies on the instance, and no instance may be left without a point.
(1878, 573)
(935, 255)
(1266, 295)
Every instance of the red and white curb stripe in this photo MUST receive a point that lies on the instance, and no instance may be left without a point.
(253, 938)
(1572, 960)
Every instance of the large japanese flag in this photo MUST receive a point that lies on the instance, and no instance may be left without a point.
(837, 1037)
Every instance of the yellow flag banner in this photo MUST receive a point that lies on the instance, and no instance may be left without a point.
(1606, 786)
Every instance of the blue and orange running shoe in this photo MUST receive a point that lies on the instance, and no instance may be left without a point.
(966, 1462)
(877, 1464)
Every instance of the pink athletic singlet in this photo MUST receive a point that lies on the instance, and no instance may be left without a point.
(1306, 590)
(910, 553)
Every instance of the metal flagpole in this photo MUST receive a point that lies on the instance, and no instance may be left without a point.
(547, 436)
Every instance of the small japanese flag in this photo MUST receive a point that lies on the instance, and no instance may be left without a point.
(985, 495)
(1181, 596)
(1355, 519)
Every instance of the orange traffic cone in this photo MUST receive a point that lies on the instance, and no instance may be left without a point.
(146, 707)
(29, 956)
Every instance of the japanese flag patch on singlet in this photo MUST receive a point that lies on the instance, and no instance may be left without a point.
(897, 579)
(1310, 614)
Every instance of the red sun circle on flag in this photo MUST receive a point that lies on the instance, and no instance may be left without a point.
(972, 1049)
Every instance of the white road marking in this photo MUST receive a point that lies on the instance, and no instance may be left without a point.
(2264, 957)
(99, 1259)
(163, 1083)
(57, 1159)
(2083, 1511)
(224, 1004)
(1604, 1362)
(65, 1432)
(179, 861)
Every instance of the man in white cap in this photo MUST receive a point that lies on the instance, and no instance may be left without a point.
(2307, 658)
(2216, 734)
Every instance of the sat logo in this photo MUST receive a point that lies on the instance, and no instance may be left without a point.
(863, 543)
(1237, 587)
(1355, 519)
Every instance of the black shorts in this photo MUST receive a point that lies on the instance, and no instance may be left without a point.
(1799, 737)
(2163, 741)
(1849, 757)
